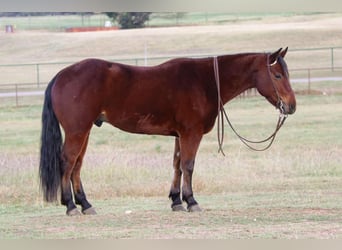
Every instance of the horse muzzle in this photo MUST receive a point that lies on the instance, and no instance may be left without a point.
(286, 109)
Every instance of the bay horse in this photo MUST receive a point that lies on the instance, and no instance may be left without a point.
(177, 98)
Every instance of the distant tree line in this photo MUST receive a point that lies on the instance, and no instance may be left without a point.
(129, 20)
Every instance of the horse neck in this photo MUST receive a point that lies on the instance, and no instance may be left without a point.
(236, 74)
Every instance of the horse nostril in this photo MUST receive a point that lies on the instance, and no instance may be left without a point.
(292, 108)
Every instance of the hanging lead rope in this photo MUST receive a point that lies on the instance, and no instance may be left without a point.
(221, 112)
(220, 121)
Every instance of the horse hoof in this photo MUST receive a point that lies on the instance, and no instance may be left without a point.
(89, 211)
(195, 208)
(178, 208)
(73, 212)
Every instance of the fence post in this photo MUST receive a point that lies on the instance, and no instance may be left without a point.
(37, 69)
(309, 81)
(16, 95)
(332, 59)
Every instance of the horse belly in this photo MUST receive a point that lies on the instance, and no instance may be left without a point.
(144, 124)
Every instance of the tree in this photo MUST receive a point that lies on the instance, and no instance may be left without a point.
(129, 20)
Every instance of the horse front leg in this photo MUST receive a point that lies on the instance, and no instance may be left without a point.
(176, 182)
(188, 148)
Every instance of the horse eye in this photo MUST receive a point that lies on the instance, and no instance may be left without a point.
(278, 76)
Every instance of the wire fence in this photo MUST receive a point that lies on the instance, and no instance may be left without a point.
(313, 71)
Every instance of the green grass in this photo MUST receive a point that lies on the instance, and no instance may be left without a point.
(200, 18)
(55, 23)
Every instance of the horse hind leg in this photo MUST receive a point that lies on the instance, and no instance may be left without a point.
(72, 149)
(79, 194)
(176, 182)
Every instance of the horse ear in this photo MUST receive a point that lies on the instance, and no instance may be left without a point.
(283, 53)
(274, 57)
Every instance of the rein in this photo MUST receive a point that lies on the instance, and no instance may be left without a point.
(221, 113)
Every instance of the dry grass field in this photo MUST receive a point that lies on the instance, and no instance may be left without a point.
(291, 191)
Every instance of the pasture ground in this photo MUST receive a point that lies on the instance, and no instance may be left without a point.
(291, 191)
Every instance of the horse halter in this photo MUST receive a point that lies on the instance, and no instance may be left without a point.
(221, 112)
(280, 104)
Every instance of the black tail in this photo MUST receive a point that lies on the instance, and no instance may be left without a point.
(50, 151)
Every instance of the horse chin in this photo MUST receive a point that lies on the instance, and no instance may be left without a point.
(273, 102)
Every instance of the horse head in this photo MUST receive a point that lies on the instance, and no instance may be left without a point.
(274, 82)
